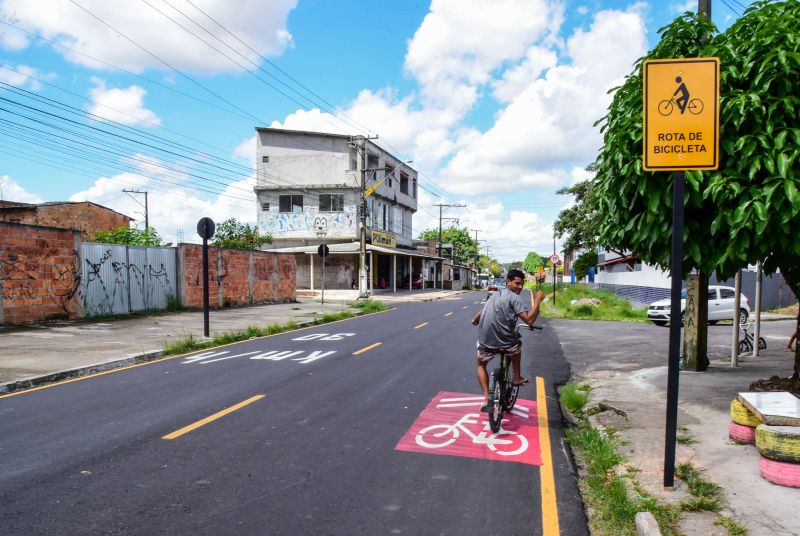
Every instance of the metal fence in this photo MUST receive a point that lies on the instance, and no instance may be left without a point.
(124, 279)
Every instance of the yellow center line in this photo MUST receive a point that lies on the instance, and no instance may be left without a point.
(421, 325)
(465, 307)
(367, 348)
(448, 314)
(202, 422)
(549, 506)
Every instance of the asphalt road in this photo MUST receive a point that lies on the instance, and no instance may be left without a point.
(365, 426)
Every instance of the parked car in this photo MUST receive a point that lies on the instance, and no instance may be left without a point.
(720, 307)
(416, 280)
(494, 286)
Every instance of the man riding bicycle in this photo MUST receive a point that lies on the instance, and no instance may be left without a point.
(497, 328)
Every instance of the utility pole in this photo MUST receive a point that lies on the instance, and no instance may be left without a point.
(554, 267)
(361, 143)
(704, 8)
(442, 205)
(146, 213)
(477, 249)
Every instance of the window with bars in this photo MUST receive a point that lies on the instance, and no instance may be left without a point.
(290, 203)
(415, 189)
(403, 183)
(265, 207)
(331, 202)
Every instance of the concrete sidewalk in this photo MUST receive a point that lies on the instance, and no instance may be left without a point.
(628, 372)
(45, 352)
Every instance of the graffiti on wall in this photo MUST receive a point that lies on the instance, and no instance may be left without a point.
(31, 274)
(118, 280)
(309, 223)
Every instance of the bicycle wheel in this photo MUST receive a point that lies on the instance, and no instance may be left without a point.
(511, 396)
(665, 107)
(762, 344)
(695, 106)
(744, 347)
(496, 394)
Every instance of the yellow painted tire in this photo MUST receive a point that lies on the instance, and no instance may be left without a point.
(779, 443)
(742, 415)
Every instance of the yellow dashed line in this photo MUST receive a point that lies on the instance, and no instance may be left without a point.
(198, 424)
(549, 506)
(368, 348)
(448, 314)
(421, 325)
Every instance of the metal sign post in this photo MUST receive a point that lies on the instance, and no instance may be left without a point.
(681, 131)
(205, 228)
(323, 252)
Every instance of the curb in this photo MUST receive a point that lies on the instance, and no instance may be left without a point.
(135, 359)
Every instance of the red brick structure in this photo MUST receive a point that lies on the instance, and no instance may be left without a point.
(39, 273)
(83, 216)
(236, 277)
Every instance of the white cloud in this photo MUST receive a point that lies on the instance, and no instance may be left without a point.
(687, 5)
(260, 23)
(123, 105)
(23, 75)
(173, 208)
(11, 191)
(548, 124)
(247, 150)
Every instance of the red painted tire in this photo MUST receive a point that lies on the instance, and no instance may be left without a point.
(741, 433)
(781, 473)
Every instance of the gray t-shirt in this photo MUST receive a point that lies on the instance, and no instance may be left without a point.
(497, 328)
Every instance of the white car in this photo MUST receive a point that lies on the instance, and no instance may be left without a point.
(720, 306)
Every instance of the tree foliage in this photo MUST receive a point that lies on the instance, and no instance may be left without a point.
(131, 236)
(748, 209)
(580, 222)
(231, 233)
(466, 247)
(533, 261)
(582, 264)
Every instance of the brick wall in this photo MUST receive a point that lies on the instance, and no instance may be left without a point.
(236, 277)
(88, 218)
(39, 273)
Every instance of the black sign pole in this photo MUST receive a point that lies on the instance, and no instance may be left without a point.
(205, 287)
(323, 279)
(674, 330)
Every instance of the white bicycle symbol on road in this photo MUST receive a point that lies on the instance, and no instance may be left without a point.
(442, 435)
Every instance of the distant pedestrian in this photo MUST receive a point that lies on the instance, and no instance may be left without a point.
(793, 340)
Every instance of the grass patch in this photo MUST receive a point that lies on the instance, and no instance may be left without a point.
(192, 344)
(734, 527)
(612, 508)
(574, 396)
(706, 496)
(611, 306)
(369, 306)
(686, 440)
(174, 304)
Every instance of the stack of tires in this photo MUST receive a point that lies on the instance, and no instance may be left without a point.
(779, 447)
(743, 423)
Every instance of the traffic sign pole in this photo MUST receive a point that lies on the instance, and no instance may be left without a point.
(674, 330)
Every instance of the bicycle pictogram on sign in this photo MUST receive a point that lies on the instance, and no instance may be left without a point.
(453, 425)
(684, 102)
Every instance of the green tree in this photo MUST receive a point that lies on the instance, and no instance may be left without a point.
(582, 264)
(466, 247)
(131, 236)
(231, 233)
(495, 268)
(533, 261)
(748, 209)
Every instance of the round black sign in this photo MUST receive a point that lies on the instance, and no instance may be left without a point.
(323, 250)
(205, 228)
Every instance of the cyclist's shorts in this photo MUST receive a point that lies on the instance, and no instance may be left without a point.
(486, 354)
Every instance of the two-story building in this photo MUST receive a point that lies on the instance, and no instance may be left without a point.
(308, 189)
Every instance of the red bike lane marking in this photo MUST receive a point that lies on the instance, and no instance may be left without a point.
(452, 425)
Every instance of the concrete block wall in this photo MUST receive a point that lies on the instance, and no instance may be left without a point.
(39, 273)
(236, 277)
(340, 271)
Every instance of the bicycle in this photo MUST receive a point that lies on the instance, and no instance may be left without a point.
(666, 106)
(746, 344)
(502, 391)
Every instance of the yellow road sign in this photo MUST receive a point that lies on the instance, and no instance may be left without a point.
(681, 114)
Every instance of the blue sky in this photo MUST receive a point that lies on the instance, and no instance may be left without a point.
(493, 100)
